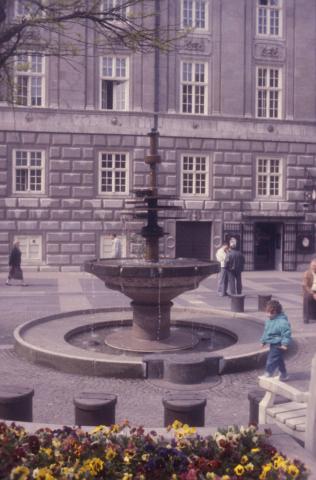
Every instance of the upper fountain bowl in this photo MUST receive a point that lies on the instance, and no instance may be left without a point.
(151, 282)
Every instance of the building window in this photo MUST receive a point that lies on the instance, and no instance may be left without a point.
(118, 8)
(194, 175)
(194, 14)
(29, 80)
(114, 83)
(269, 90)
(269, 177)
(194, 88)
(31, 248)
(28, 171)
(113, 173)
(269, 17)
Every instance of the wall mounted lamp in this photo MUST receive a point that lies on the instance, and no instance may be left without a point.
(309, 190)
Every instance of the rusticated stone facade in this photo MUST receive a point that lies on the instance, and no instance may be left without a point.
(70, 218)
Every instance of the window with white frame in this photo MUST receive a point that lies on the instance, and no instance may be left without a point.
(269, 177)
(31, 248)
(269, 17)
(114, 83)
(194, 87)
(113, 172)
(194, 175)
(29, 79)
(269, 92)
(194, 14)
(28, 171)
(115, 9)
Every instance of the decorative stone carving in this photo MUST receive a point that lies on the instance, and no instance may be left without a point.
(269, 51)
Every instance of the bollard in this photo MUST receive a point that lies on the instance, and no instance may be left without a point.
(93, 408)
(187, 408)
(262, 302)
(186, 370)
(16, 403)
(237, 303)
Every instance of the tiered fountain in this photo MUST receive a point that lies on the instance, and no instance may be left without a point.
(151, 283)
(112, 341)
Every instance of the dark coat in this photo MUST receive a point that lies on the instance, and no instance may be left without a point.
(15, 257)
(234, 261)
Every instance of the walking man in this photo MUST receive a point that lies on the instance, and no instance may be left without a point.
(15, 272)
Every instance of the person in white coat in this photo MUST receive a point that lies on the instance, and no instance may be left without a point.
(223, 275)
(116, 247)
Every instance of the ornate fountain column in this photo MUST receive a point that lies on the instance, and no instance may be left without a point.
(152, 231)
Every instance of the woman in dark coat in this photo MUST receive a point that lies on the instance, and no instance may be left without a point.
(15, 271)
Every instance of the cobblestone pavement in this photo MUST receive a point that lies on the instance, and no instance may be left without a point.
(140, 400)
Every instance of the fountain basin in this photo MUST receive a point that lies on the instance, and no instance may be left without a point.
(151, 282)
(45, 341)
(151, 286)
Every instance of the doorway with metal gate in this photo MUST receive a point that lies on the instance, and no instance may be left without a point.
(268, 246)
(193, 240)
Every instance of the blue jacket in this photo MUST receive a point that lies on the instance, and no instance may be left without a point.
(277, 330)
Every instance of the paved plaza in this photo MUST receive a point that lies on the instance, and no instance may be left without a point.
(140, 400)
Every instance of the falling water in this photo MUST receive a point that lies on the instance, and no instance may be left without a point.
(159, 270)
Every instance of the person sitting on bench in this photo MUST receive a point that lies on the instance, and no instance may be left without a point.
(309, 291)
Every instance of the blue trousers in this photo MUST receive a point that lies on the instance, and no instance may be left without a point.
(222, 282)
(275, 360)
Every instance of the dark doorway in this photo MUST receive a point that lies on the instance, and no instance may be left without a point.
(193, 240)
(267, 246)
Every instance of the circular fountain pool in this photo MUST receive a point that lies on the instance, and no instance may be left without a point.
(73, 342)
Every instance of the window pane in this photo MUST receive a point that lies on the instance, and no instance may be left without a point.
(200, 13)
(188, 13)
(107, 70)
(21, 180)
(21, 90)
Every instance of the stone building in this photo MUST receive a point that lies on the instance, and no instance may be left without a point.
(237, 112)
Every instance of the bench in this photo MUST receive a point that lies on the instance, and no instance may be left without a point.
(297, 416)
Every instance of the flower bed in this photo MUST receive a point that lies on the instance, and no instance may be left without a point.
(125, 453)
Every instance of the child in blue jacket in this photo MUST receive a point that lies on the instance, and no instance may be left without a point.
(277, 334)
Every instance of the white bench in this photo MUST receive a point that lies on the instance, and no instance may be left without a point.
(297, 417)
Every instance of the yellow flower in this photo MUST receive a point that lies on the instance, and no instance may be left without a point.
(174, 477)
(176, 425)
(255, 450)
(43, 474)
(145, 457)
(249, 467)
(127, 476)
(244, 459)
(293, 470)
(239, 470)
(110, 454)
(19, 473)
(94, 465)
(225, 477)
(115, 428)
(210, 476)
(100, 428)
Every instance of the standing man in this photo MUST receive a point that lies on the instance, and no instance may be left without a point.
(234, 263)
(223, 276)
(15, 272)
(116, 247)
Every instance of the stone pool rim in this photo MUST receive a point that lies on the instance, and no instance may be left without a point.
(245, 354)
